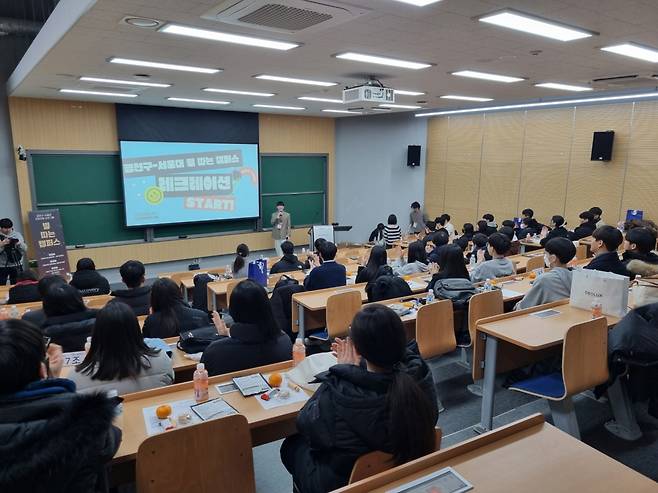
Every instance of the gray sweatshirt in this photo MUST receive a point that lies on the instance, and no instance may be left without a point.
(416, 223)
(552, 286)
(21, 246)
(491, 269)
(401, 268)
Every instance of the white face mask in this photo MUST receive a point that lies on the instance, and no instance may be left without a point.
(279, 208)
(547, 260)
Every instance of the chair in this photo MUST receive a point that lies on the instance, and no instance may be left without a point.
(229, 289)
(212, 456)
(375, 462)
(584, 366)
(341, 308)
(581, 252)
(534, 263)
(435, 329)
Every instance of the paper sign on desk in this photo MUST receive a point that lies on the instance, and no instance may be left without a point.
(417, 285)
(74, 358)
(446, 480)
(154, 425)
(508, 293)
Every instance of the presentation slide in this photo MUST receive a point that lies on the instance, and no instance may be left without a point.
(181, 182)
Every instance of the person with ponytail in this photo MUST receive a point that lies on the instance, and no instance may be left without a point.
(380, 396)
(169, 313)
(240, 264)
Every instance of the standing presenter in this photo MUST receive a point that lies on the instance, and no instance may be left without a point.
(280, 227)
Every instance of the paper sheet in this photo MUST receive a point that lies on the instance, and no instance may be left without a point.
(276, 401)
(154, 425)
(508, 293)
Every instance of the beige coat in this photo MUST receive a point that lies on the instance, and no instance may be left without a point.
(283, 232)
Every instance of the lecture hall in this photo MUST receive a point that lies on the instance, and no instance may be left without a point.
(313, 246)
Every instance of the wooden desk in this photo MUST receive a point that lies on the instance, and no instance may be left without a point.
(4, 293)
(523, 338)
(521, 260)
(530, 245)
(95, 302)
(266, 426)
(526, 456)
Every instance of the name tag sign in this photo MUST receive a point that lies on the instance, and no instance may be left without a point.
(73, 358)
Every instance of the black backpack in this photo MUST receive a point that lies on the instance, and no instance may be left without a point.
(197, 340)
(281, 302)
(387, 287)
(200, 291)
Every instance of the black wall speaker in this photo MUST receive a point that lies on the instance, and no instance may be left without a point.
(602, 145)
(413, 156)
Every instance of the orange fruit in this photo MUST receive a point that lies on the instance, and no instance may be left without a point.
(163, 412)
(275, 380)
(532, 275)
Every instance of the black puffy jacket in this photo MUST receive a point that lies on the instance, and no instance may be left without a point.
(90, 283)
(348, 417)
(54, 440)
(70, 331)
(288, 263)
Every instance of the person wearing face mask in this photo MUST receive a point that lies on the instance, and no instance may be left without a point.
(604, 247)
(280, 227)
(555, 284)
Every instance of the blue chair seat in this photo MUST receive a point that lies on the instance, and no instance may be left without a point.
(551, 385)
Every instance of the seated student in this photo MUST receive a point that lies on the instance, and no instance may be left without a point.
(555, 284)
(240, 265)
(515, 245)
(482, 227)
(392, 232)
(68, 320)
(37, 316)
(430, 227)
(498, 266)
(254, 338)
(492, 227)
(377, 235)
(169, 313)
(138, 295)
(597, 212)
(377, 258)
(479, 244)
(325, 271)
(415, 262)
(26, 288)
(289, 262)
(586, 228)
(119, 358)
(52, 438)
(87, 279)
(526, 229)
(439, 240)
(639, 244)
(606, 258)
(315, 254)
(388, 404)
(468, 230)
(450, 266)
(557, 231)
(449, 227)
(530, 222)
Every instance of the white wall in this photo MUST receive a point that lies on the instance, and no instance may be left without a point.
(372, 177)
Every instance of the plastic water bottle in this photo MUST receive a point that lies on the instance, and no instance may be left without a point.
(298, 352)
(487, 285)
(430, 296)
(473, 260)
(88, 344)
(112, 394)
(14, 312)
(200, 383)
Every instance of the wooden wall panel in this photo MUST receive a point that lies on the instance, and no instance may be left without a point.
(47, 124)
(640, 185)
(545, 169)
(593, 183)
(502, 153)
(464, 155)
(435, 172)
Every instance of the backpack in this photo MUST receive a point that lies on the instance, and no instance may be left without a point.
(386, 287)
(197, 340)
(285, 280)
(200, 292)
(458, 290)
(281, 302)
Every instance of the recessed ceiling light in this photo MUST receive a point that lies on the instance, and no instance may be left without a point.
(123, 82)
(419, 3)
(466, 98)
(486, 76)
(99, 93)
(275, 107)
(142, 22)
(634, 51)
(535, 25)
(241, 93)
(563, 87)
(200, 101)
(345, 112)
(227, 37)
(400, 106)
(542, 104)
(321, 100)
(166, 66)
(293, 80)
(381, 109)
(380, 60)
(400, 92)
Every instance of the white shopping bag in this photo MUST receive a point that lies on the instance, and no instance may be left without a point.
(611, 290)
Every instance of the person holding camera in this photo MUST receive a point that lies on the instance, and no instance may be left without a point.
(12, 251)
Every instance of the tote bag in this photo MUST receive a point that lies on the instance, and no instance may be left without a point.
(611, 290)
(258, 271)
(645, 291)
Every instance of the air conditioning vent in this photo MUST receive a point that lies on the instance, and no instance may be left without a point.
(630, 80)
(283, 16)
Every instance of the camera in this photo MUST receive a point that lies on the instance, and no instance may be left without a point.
(12, 241)
(22, 153)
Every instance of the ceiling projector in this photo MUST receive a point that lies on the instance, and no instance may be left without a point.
(368, 95)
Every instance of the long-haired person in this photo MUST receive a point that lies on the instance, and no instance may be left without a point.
(450, 265)
(380, 396)
(68, 320)
(253, 340)
(169, 313)
(240, 265)
(377, 259)
(415, 262)
(119, 358)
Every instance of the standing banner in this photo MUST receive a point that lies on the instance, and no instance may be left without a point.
(48, 243)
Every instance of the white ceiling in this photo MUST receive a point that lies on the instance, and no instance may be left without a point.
(444, 34)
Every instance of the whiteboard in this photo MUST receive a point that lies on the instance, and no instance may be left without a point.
(326, 232)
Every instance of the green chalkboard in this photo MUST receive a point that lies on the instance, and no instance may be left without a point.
(205, 228)
(305, 210)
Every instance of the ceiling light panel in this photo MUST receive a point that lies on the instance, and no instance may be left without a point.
(466, 98)
(400, 106)
(400, 92)
(200, 101)
(123, 82)
(293, 80)
(379, 60)
(473, 74)
(240, 93)
(164, 66)
(98, 93)
(535, 25)
(419, 3)
(344, 112)
(563, 87)
(634, 51)
(227, 37)
(276, 107)
(321, 100)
